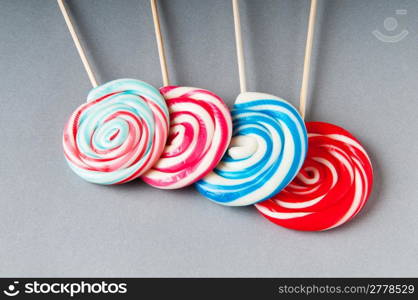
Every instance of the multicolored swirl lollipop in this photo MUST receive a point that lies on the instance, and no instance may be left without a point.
(120, 132)
(200, 130)
(336, 179)
(267, 150)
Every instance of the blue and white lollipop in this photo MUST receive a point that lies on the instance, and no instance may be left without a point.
(267, 150)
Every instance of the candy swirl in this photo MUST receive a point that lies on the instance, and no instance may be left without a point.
(332, 186)
(118, 134)
(200, 132)
(266, 152)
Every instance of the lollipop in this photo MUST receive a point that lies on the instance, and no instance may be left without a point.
(332, 186)
(335, 180)
(267, 150)
(200, 130)
(119, 133)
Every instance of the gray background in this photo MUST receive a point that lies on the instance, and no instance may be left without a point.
(52, 223)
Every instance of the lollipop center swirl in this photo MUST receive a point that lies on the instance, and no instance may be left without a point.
(242, 147)
(309, 175)
(111, 134)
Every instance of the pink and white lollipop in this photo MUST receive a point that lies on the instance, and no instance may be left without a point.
(200, 130)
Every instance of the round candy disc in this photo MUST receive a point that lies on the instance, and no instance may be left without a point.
(118, 134)
(200, 132)
(332, 186)
(267, 150)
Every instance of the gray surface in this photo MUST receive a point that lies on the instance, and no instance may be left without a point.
(54, 224)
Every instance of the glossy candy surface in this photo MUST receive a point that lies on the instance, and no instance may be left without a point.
(200, 132)
(332, 186)
(118, 134)
(267, 150)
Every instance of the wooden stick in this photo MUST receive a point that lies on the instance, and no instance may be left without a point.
(307, 61)
(238, 41)
(160, 43)
(77, 43)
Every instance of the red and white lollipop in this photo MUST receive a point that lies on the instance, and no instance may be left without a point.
(336, 178)
(332, 186)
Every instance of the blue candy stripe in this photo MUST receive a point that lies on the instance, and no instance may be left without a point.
(260, 117)
(95, 142)
(255, 184)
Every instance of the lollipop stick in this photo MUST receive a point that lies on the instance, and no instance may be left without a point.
(238, 41)
(77, 43)
(160, 43)
(307, 61)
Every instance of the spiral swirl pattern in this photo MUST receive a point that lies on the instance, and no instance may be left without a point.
(200, 132)
(118, 134)
(267, 150)
(332, 186)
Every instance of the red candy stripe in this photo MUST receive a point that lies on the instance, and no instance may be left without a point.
(332, 186)
(200, 132)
